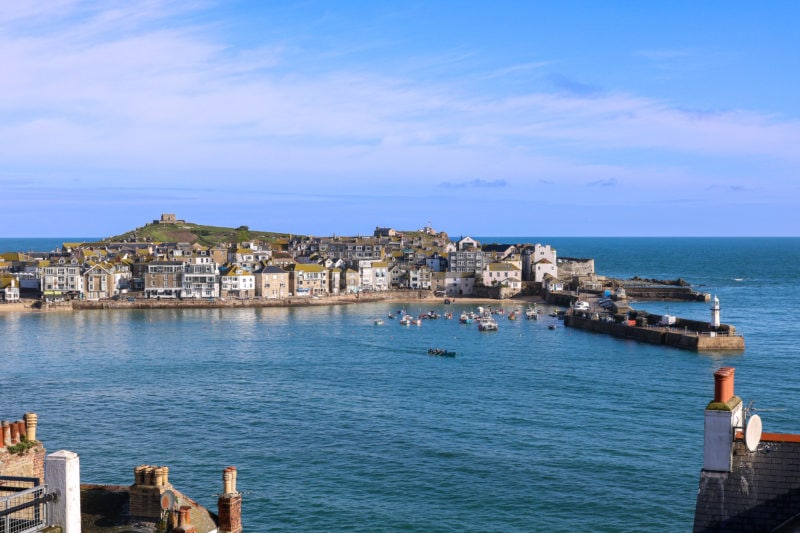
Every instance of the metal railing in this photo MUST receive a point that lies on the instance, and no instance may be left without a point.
(24, 510)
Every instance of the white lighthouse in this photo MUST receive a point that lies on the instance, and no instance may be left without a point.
(715, 312)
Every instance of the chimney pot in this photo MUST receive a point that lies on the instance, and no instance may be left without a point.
(138, 475)
(14, 433)
(723, 384)
(31, 420)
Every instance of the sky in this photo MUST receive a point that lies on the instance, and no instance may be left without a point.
(513, 118)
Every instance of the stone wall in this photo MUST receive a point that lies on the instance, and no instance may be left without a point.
(29, 463)
(672, 336)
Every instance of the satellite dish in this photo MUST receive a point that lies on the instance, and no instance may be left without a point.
(752, 433)
(168, 499)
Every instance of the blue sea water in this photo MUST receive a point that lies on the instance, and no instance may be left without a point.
(336, 424)
(42, 244)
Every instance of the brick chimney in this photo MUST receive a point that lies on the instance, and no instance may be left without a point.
(722, 416)
(229, 505)
(150, 483)
(184, 522)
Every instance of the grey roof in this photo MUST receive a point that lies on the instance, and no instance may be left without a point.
(761, 493)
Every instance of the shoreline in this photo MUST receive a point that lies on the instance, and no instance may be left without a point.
(29, 305)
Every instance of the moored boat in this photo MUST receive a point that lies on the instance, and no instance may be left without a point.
(487, 323)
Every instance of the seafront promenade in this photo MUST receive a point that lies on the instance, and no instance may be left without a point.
(36, 306)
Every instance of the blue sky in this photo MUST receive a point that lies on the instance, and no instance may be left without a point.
(484, 118)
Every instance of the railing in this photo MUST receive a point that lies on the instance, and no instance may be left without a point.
(24, 510)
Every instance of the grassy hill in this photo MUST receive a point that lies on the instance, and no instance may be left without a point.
(211, 235)
(194, 233)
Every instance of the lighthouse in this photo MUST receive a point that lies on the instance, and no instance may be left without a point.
(715, 312)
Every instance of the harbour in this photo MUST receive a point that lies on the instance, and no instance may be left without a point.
(335, 424)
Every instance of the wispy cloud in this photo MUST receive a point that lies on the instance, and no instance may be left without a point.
(148, 91)
(572, 87)
(610, 182)
(476, 183)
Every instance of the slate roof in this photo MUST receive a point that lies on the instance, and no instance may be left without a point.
(761, 493)
(106, 509)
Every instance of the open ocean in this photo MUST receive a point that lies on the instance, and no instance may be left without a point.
(336, 424)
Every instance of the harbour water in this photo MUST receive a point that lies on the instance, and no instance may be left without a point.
(336, 424)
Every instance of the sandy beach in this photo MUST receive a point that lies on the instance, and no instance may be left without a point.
(23, 306)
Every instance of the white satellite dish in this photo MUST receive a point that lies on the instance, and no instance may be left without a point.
(752, 433)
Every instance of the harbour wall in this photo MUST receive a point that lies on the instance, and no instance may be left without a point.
(655, 292)
(218, 303)
(678, 335)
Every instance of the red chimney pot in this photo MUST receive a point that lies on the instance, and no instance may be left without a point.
(723, 384)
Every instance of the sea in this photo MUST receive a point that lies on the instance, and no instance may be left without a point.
(337, 424)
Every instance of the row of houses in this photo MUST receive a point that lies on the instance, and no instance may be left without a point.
(302, 266)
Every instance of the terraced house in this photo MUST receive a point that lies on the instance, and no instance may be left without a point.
(349, 249)
(163, 279)
(62, 280)
(272, 282)
(505, 275)
(200, 278)
(236, 282)
(99, 281)
(308, 279)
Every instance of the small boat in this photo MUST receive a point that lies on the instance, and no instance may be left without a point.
(378, 321)
(441, 352)
(552, 326)
(448, 315)
(465, 318)
(512, 315)
(531, 313)
(447, 301)
(390, 315)
(405, 320)
(487, 323)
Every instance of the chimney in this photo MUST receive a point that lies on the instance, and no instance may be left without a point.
(30, 422)
(723, 384)
(14, 430)
(184, 522)
(229, 505)
(150, 483)
(722, 416)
